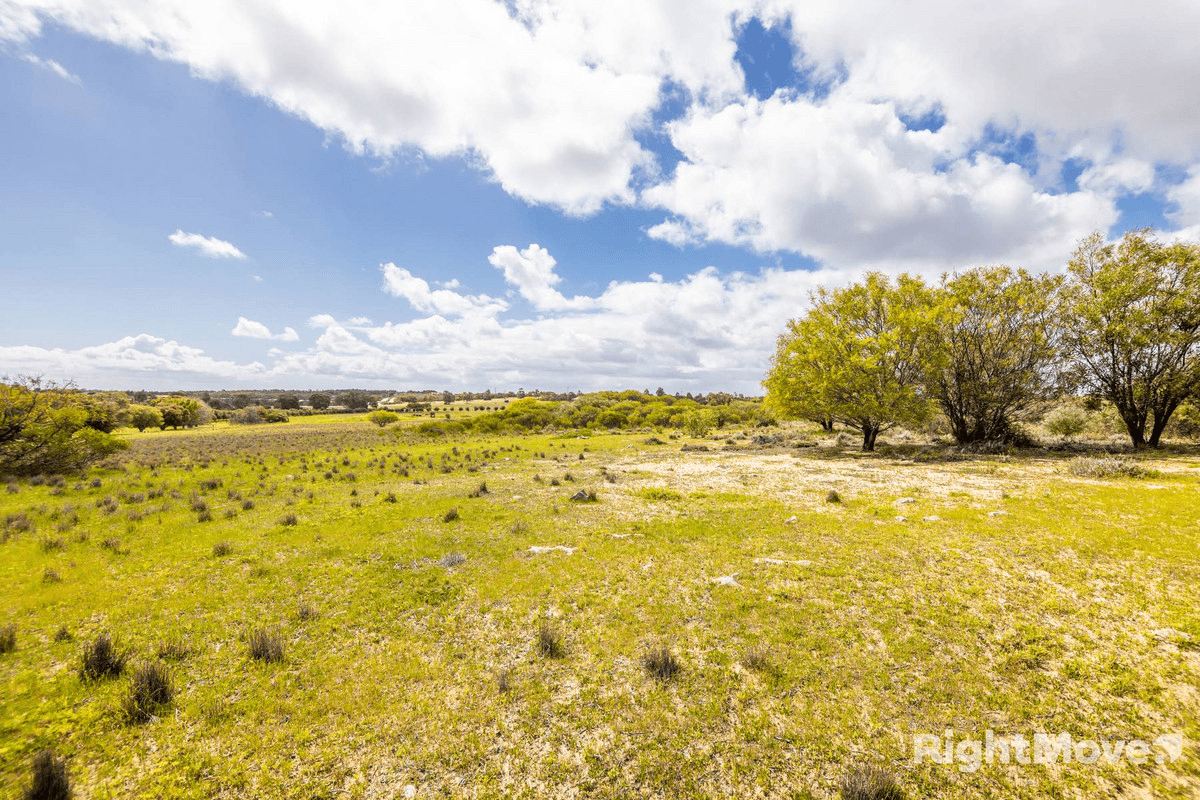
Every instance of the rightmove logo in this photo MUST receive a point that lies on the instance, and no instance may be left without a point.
(1041, 749)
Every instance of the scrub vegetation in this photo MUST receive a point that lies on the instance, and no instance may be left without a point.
(714, 625)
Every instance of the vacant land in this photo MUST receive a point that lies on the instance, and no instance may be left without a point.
(349, 612)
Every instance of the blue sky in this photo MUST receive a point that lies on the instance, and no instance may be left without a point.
(464, 195)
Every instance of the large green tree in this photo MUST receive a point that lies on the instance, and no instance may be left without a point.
(1001, 352)
(44, 429)
(859, 357)
(1133, 326)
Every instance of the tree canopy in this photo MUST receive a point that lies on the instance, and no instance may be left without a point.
(44, 429)
(859, 356)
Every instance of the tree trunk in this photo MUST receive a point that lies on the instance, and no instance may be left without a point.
(1161, 418)
(869, 434)
(827, 425)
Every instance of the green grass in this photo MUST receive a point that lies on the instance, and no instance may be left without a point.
(427, 664)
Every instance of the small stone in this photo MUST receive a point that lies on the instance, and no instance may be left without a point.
(997, 513)
(905, 501)
(410, 791)
(901, 519)
(580, 496)
(790, 520)
(541, 549)
(726, 580)
(931, 518)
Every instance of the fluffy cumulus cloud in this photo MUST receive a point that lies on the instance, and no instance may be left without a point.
(704, 332)
(531, 271)
(207, 245)
(256, 330)
(556, 100)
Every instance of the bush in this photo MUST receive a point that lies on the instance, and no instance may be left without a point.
(44, 430)
(222, 548)
(450, 516)
(266, 644)
(550, 642)
(101, 659)
(659, 662)
(1067, 422)
(869, 782)
(149, 689)
(50, 778)
(1109, 467)
(8, 638)
(383, 418)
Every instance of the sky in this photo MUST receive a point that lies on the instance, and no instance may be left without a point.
(562, 195)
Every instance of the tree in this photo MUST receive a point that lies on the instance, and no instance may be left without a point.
(180, 411)
(142, 417)
(319, 401)
(383, 418)
(43, 428)
(355, 399)
(447, 398)
(858, 357)
(1000, 338)
(289, 401)
(1134, 326)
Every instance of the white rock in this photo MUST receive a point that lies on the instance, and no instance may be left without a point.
(539, 549)
(901, 519)
(931, 518)
(410, 791)
(905, 501)
(1168, 633)
(726, 580)
(790, 520)
(997, 513)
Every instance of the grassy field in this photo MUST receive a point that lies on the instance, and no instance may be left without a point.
(453, 624)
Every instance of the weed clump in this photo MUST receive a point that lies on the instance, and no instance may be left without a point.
(51, 543)
(869, 782)
(101, 659)
(289, 520)
(222, 548)
(833, 497)
(8, 638)
(50, 778)
(266, 645)
(481, 491)
(149, 689)
(660, 663)
(757, 658)
(451, 515)
(1109, 467)
(174, 649)
(550, 641)
(63, 634)
(451, 560)
(306, 612)
(51, 576)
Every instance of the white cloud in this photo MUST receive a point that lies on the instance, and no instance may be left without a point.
(400, 282)
(142, 360)
(256, 330)
(532, 271)
(708, 331)
(1185, 197)
(53, 66)
(208, 245)
(549, 98)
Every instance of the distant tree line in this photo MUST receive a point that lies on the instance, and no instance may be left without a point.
(992, 348)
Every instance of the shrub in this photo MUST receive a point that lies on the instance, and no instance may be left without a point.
(101, 659)
(833, 497)
(51, 543)
(174, 649)
(62, 634)
(149, 689)
(451, 515)
(1067, 422)
(8, 638)
(289, 520)
(51, 576)
(659, 662)
(383, 418)
(222, 548)
(1109, 467)
(550, 642)
(869, 782)
(266, 644)
(247, 505)
(481, 491)
(50, 778)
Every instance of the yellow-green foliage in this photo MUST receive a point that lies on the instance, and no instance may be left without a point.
(842, 633)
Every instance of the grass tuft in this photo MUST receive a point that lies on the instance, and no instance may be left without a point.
(174, 649)
(50, 778)
(102, 658)
(660, 663)
(869, 782)
(1109, 467)
(63, 634)
(550, 640)
(451, 515)
(150, 688)
(757, 658)
(8, 638)
(50, 575)
(306, 611)
(289, 520)
(266, 644)
(222, 548)
(833, 497)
